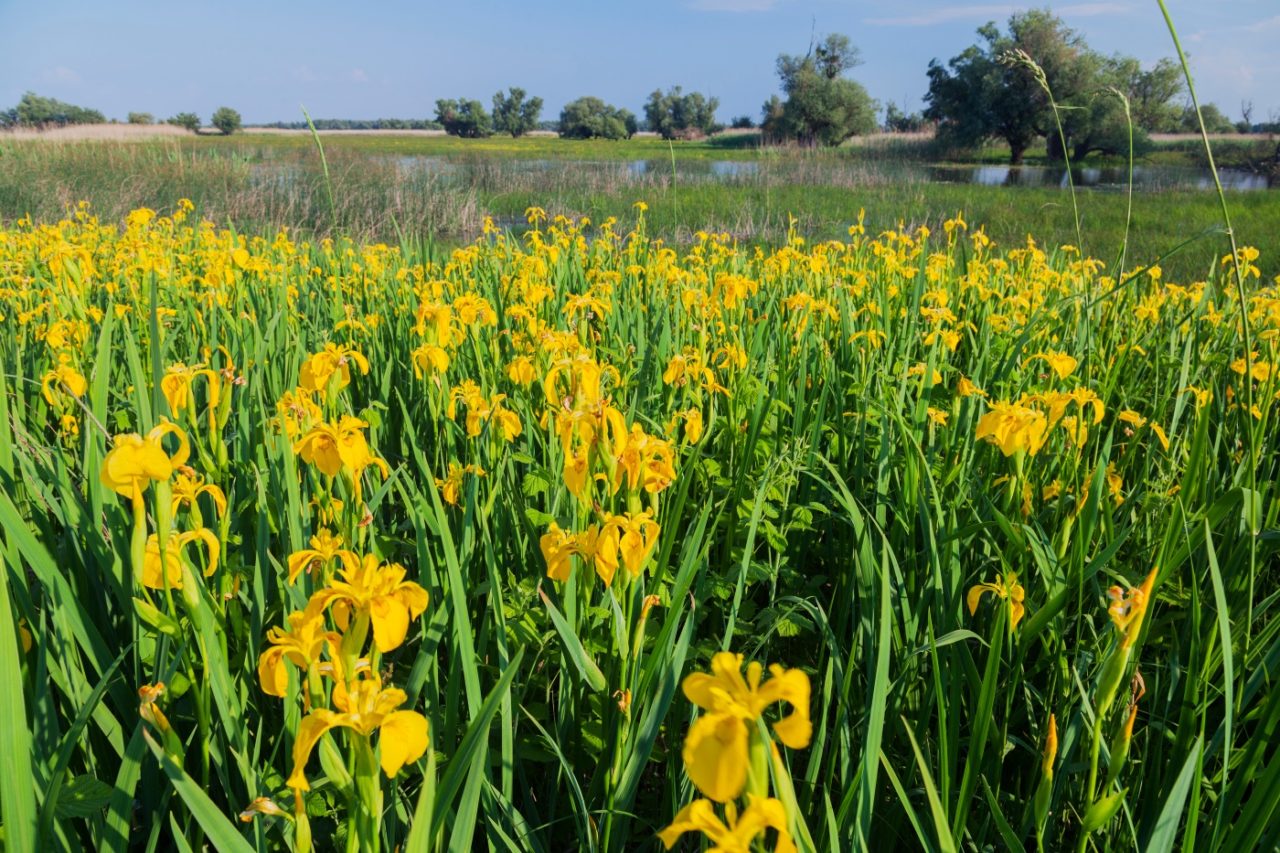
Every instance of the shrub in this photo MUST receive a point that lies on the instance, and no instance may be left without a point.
(676, 115)
(463, 118)
(190, 121)
(226, 120)
(590, 118)
(514, 114)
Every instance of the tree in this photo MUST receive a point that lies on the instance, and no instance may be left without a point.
(822, 106)
(742, 123)
(589, 118)
(897, 121)
(463, 118)
(36, 111)
(1096, 123)
(1152, 94)
(1001, 89)
(141, 118)
(226, 120)
(1245, 124)
(513, 114)
(1215, 121)
(679, 116)
(190, 121)
(978, 94)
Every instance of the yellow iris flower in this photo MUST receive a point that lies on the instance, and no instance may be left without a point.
(378, 590)
(364, 708)
(1128, 609)
(63, 378)
(1013, 427)
(1005, 587)
(557, 547)
(176, 386)
(644, 461)
(135, 460)
(1061, 363)
(188, 486)
(738, 832)
(325, 548)
(429, 358)
(338, 446)
(332, 364)
(451, 486)
(154, 570)
(635, 535)
(301, 645)
(716, 751)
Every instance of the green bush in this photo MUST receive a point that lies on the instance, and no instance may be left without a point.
(591, 118)
(226, 120)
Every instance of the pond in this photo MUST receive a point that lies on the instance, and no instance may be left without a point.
(851, 172)
(1100, 177)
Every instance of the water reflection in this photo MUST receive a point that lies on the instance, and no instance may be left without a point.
(1099, 177)
(842, 172)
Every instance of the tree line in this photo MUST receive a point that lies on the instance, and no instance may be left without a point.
(1036, 79)
(40, 112)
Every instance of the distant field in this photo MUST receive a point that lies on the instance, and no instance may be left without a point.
(388, 184)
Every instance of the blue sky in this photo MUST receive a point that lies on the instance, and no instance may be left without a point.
(395, 57)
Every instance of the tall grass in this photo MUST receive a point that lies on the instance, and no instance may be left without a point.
(378, 196)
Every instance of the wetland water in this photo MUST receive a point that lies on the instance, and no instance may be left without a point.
(850, 172)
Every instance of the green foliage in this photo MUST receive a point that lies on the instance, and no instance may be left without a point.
(190, 121)
(675, 115)
(742, 123)
(592, 118)
(465, 118)
(978, 95)
(514, 114)
(982, 94)
(141, 118)
(36, 111)
(1215, 121)
(226, 120)
(898, 121)
(822, 106)
(1152, 92)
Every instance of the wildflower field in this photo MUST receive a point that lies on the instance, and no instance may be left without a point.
(574, 540)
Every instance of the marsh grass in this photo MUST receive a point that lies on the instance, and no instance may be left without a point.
(381, 192)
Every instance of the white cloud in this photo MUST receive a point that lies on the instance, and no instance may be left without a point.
(988, 12)
(358, 75)
(303, 74)
(733, 5)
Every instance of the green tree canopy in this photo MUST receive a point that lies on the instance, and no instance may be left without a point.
(190, 121)
(589, 118)
(1215, 120)
(980, 95)
(822, 106)
(36, 111)
(1000, 89)
(515, 113)
(465, 118)
(226, 120)
(677, 115)
(141, 118)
